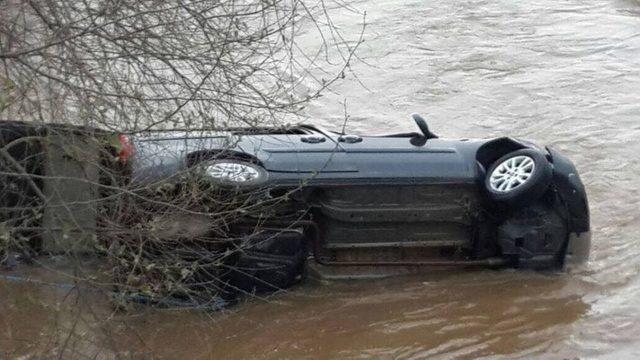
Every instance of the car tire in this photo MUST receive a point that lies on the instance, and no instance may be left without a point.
(234, 173)
(518, 178)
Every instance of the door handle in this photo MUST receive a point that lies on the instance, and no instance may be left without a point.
(313, 139)
(350, 139)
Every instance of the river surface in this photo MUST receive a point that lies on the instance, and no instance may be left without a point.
(563, 73)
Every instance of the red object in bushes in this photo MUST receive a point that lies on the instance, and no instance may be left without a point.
(126, 148)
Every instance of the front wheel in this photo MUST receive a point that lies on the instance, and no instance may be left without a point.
(518, 178)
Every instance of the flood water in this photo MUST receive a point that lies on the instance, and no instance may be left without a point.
(562, 73)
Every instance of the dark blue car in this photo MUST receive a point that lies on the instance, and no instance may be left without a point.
(407, 201)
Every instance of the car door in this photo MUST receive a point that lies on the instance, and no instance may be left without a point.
(397, 158)
(314, 153)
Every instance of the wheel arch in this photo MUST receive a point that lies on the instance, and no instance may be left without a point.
(491, 151)
(196, 157)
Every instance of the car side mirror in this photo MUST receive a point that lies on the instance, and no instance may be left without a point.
(422, 125)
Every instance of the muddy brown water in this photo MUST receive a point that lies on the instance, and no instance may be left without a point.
(563, 73)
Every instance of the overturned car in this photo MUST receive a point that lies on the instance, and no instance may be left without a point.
(371, 203)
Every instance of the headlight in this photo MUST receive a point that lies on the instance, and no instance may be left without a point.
(235, 172)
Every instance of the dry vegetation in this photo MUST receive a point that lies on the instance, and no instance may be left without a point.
(93, 68)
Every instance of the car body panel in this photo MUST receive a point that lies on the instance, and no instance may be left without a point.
(379, 196)
(290, 160)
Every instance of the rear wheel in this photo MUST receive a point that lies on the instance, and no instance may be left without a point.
(518, 178)
(234, 173)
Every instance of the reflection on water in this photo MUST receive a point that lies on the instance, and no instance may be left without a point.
(467, 313)
(477, 313)
(559, 73)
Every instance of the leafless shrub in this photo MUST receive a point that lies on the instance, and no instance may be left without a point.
(97, 68)
(144, 64)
